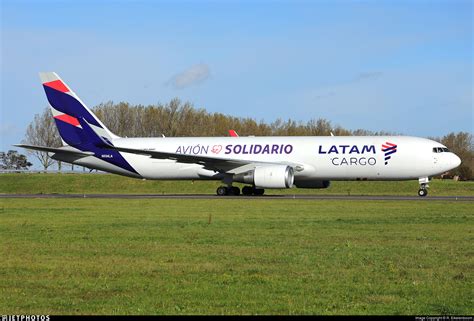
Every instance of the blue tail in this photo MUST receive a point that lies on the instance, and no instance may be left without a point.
(77, 125)
(67, 109)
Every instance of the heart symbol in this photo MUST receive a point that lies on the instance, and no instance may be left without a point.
(216, 149)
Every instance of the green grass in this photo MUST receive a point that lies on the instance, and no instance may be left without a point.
(104, 183)
(100, 256)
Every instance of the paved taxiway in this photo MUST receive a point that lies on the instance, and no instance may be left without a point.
(241, 197)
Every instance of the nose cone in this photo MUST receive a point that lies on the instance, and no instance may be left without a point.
(455, 160)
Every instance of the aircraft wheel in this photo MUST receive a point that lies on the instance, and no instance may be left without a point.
(221, 191)
(258, 191)
(247, 190)
(235, 190)
(422, 192)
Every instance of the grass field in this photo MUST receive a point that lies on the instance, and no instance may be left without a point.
(82, 256)
(104, 183)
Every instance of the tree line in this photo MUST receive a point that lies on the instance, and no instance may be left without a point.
(178, 119)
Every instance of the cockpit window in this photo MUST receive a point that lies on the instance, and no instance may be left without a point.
(440, 150)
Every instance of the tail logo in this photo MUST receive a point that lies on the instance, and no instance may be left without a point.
(58, 85)
(388, 149)
(68, 119)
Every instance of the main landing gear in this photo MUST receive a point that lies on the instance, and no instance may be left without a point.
(228, 190)
(235, 191)
(423, 191)
(252, 190)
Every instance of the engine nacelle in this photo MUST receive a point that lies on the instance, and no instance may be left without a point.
(273, 176)
(312, 184)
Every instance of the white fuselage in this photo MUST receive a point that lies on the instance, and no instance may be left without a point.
(318, 157)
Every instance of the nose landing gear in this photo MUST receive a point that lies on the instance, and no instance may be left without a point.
(423, 191)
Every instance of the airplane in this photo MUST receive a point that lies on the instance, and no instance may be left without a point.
(261, 163)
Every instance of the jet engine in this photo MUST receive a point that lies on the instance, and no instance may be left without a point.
(272, 176)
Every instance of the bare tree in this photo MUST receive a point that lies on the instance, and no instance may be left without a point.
(42, 131)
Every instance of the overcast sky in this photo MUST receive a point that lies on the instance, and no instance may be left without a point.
(400, 66)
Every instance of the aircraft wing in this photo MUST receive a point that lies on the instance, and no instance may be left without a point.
(218, 164)
(56, 150)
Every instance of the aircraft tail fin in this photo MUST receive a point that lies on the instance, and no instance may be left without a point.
(68, 110)
(233, 133)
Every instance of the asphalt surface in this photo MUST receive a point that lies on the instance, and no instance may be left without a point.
(241, 197)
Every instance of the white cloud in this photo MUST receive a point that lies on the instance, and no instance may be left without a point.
(191, 76)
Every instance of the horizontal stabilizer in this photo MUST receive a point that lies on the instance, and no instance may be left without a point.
(56, 150)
